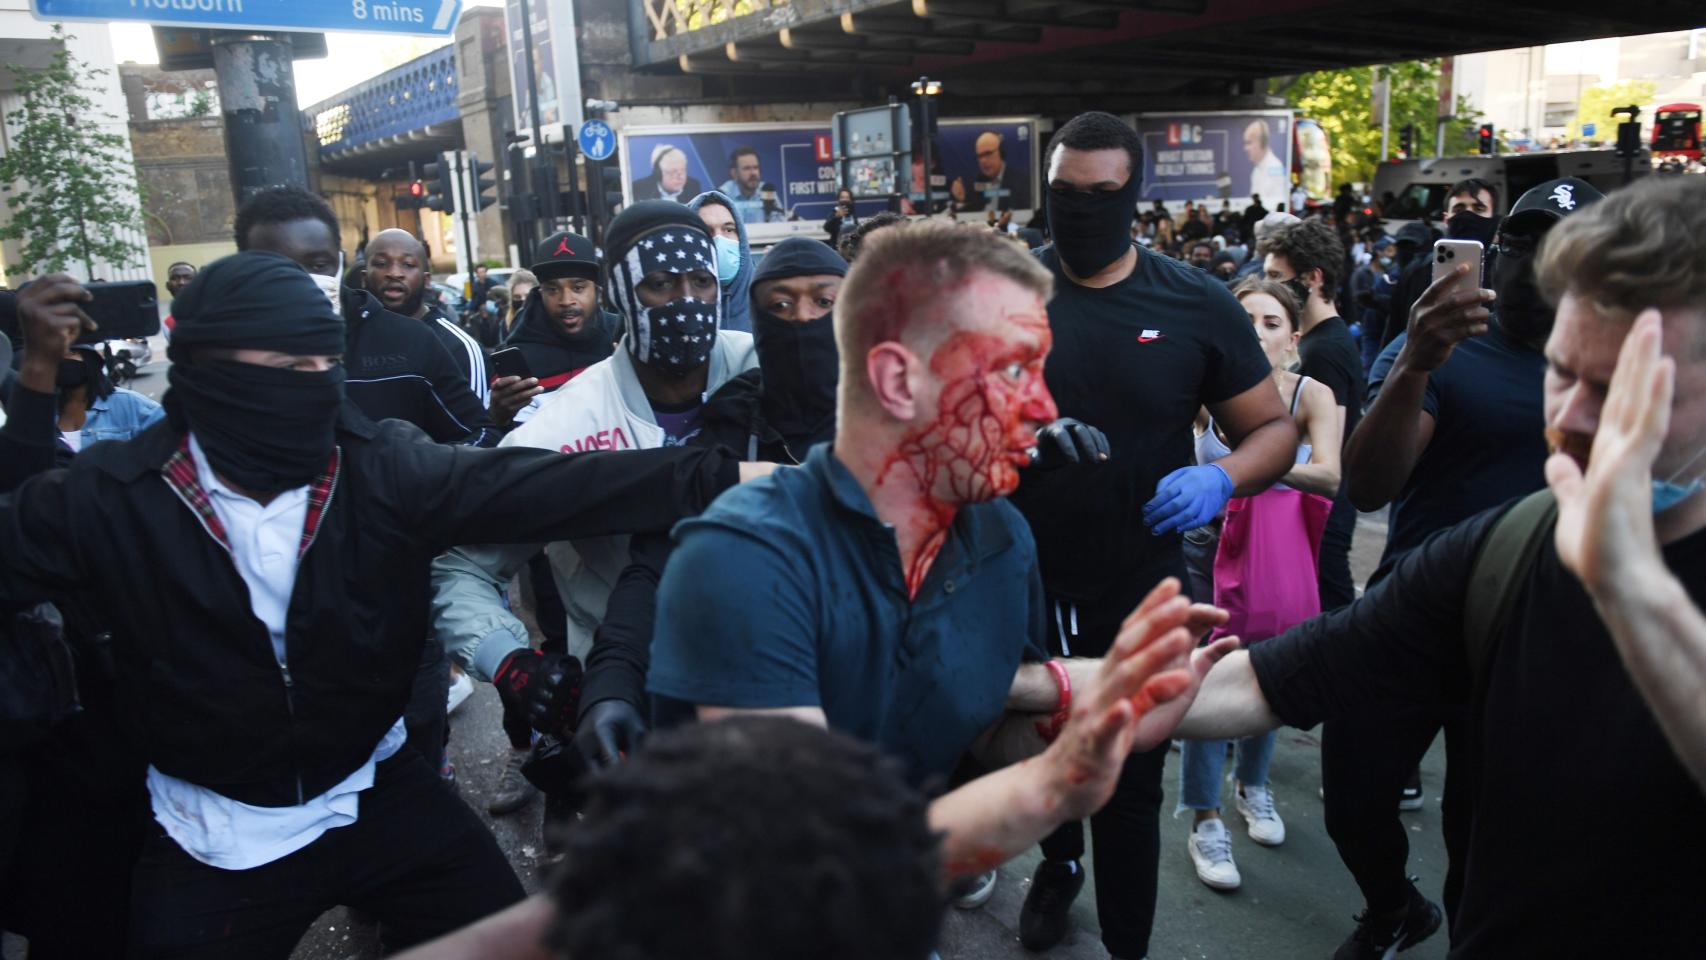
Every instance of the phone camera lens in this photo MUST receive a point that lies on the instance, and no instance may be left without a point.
(1451, 253)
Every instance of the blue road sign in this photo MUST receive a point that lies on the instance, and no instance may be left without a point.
(436, 17)
(597, 140)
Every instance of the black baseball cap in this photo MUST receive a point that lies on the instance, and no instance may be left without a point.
(1544, 205)
(565, 254)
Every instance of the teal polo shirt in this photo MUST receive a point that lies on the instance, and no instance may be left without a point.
(789, 592)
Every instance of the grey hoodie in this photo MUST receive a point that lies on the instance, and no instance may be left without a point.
(737, 296)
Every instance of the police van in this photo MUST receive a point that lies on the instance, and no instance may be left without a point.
(1420, 187)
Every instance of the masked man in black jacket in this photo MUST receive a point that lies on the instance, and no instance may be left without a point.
(270, 547)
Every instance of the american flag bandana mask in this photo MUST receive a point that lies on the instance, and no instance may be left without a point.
(677, 337)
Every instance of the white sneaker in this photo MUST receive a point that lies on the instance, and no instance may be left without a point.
(1211, 850)
(975, 892)
(461, 687)
(1256, 804)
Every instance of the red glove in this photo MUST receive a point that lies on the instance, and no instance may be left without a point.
(544, 687)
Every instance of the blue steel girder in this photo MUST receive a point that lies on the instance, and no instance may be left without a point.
(401, 103)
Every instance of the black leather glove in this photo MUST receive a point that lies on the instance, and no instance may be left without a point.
(544, 687)
(1069, 441)
(608, 732)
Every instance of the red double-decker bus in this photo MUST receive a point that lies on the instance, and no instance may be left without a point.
(1676, 131)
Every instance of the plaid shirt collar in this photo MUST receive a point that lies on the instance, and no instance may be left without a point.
(179, 471)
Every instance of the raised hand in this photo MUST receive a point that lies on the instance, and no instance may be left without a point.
(1442, 317)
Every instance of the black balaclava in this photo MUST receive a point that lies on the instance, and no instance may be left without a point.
(264, 429)
(800, 363)
(677, 337)
(1092, 230)
(1521, 312)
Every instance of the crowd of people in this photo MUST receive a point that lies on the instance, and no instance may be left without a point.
(818, 583)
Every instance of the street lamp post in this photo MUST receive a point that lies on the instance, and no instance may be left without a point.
(926, 90)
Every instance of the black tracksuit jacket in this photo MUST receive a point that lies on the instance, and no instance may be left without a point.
(197, 675)
(397, 369)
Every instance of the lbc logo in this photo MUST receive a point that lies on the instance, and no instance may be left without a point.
(1179, 134)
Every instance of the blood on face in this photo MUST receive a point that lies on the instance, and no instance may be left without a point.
(992, 399)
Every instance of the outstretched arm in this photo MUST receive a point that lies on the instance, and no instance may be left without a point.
(1140, 690)
(1606, 537)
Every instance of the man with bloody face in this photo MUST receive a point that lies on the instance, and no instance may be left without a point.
(884, 589)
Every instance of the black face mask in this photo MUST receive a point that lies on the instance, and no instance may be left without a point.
(263, 428)
(801, 368)
(1298, 289)
(1092, 230)
(1521, 312)
(72, 374)
(1469, 226)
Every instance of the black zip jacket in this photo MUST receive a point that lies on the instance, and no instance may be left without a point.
(396, 369)
(198, 678)
(463, 349)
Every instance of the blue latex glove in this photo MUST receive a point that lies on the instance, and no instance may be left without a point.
(1187, 498)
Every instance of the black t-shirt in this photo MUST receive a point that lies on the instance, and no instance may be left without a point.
(1136, 360)
(1564, 859)
(1488, 443)
(1329, 353)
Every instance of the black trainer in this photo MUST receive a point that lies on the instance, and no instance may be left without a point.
(1044, 919)
(1382, 938)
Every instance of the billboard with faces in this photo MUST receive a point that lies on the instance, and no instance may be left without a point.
(782, 176)
(1196, 156)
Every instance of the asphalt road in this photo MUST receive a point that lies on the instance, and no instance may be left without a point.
(1296, 901)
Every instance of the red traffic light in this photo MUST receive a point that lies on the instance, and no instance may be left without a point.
(417, 189)
(1486, 130)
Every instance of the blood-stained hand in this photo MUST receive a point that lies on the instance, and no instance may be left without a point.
(1145, 686)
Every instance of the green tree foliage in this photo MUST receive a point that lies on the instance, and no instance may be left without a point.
(1598, 101)
(1343, 102)
(67, 182)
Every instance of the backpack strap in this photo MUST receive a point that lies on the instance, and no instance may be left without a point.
(1501, 568)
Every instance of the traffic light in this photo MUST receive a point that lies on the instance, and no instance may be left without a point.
(485, 188)
(1407, 140)
(1488, 145)
(440, 184)
(415, 198)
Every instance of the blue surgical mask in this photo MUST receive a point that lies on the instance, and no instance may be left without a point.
(728, 260)
(1669, 493)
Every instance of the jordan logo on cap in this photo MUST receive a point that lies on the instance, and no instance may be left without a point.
(563, 247)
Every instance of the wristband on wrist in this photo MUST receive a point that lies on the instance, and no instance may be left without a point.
(1062, 680)
(1049, 729)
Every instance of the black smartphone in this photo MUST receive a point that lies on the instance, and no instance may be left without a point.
(123, 310)
(508, 362)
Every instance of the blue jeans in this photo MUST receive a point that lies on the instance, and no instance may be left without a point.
(1203, 760)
